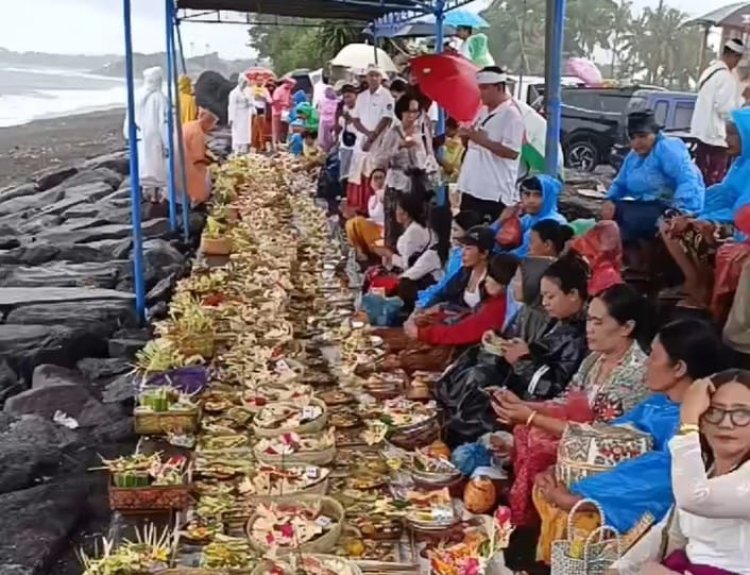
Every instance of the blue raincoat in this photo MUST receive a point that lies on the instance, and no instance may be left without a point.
(667, 174)
(725, 199)
(297, 98)
(644, 484)
(551, 188)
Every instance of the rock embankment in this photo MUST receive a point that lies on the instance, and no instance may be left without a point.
(68, 333)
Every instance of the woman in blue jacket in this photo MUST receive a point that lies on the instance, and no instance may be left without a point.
(657, 176)
(693, 242)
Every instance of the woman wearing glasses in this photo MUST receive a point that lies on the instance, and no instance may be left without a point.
(708, 533)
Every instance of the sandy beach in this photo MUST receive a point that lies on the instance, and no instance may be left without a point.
(59, 141)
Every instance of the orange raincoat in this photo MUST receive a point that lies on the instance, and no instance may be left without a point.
(196, 161)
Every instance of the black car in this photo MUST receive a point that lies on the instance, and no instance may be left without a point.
(591, 121)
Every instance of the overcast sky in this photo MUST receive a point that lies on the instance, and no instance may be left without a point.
(95, 27)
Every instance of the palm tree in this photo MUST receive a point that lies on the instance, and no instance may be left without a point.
(622, 35)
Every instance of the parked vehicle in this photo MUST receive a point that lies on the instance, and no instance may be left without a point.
(529, 89)
(673, 112)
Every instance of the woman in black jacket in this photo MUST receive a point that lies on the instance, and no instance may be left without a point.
(534, 370)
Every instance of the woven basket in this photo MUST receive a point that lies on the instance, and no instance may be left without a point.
(324, 544)
(587, 450)
(319, 488)
(164, 422)
(394, 338)
(322, 457)
(202, 571)
(140, 499)
(203, 345)
(425, 358)
(216, 246)
(417, 435)
(265, 567)
(305, 429)
(597, 554)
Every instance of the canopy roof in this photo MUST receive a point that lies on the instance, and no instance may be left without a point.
(325, 9)
(732, 16)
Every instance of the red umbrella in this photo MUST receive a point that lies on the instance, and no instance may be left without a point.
(259, 73)
(450, 81)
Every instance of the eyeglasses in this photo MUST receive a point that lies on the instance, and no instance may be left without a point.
(738, 417)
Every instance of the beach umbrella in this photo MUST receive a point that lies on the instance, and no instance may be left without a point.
(360, 56)
(465, 18)
(584, 69)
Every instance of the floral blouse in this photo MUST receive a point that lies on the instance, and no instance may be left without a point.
(622, 390)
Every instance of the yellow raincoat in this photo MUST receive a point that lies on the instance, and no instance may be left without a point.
(188, 105)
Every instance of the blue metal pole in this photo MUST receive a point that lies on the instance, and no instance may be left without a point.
(442, 195)
(175, 25)
(171, 183)
(554, 55)
(135, 181)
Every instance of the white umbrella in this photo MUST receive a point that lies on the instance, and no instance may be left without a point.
(361, 56)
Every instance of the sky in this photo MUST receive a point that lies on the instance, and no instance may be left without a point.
(95, 27)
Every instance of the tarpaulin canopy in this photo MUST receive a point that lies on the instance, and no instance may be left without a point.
(325, 9)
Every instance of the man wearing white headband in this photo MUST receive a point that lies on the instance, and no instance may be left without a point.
(487, 181)
(718, 95)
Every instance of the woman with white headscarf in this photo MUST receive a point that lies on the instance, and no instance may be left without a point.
(151, 108)
(240, 114)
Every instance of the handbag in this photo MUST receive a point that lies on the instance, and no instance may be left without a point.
(587, 450)
(510, 235)
(590, 556)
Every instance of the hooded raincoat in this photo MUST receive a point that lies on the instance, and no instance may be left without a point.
(151, 110)
(551, 189)
(666, 174)
(188, 105)
(308, 115)
(240, 114)
(476, 48)
(299, 97)
(724, 200)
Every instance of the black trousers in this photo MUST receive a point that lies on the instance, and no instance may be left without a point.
(489, 210)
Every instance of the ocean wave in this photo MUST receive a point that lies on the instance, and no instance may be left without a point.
(16, 110)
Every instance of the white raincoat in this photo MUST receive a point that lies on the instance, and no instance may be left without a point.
(151, 108)
(240, 113)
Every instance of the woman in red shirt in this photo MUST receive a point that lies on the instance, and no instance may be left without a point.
(468, 329)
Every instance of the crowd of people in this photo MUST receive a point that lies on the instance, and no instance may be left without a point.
(543, 333)
(546, 345)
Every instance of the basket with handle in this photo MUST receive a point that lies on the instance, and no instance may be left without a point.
(594, 556)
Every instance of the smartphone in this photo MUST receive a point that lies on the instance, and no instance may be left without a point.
(490, 391)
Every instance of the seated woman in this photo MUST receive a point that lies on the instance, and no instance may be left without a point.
(466, 289)
(413, 259)
(489, 314)
(548, 238)
(538, 368)
(601, 247)
(636, 492)
(693, 241)
(608, 384)
(462, 222)
(312, 155)
(539, 195)
(530, 322)
(708, 531)
(657, 175)
(365, 232)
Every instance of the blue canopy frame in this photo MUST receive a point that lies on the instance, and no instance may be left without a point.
(384, 13)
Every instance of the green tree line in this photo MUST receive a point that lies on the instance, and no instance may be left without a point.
(651, 46)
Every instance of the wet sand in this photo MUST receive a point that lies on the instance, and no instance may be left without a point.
(56, 142)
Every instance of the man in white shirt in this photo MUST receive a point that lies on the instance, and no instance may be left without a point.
(487, 181)
(718, 95)
(373, 112)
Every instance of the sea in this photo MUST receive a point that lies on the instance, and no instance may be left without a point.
(28, 94)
